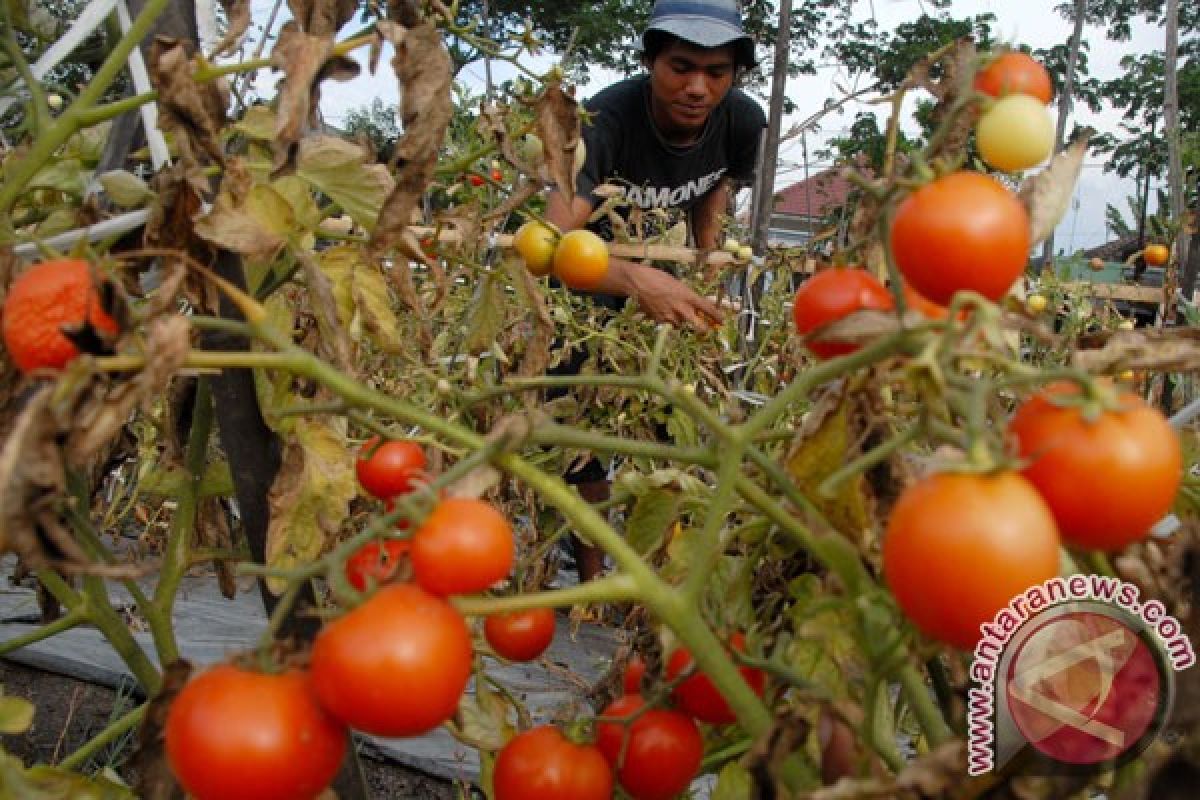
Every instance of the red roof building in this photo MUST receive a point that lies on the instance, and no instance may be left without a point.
(804, 208)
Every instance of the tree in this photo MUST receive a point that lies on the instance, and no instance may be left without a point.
(1066, 99)
(377, 123)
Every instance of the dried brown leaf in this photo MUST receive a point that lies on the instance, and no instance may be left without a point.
(32, 475)
(1047, 195)
(425, 73)
(559, 128)
(335, 340)
(322, 17)
(1169, 350)
(537, 347)
(237, 16)
(193, 112)
(155, 780)
(306, 60)
(238, 221)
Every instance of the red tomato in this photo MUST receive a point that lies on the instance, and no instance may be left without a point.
(1107, 480)
(375, 563)
(832, 294)
(541, 764)
(476, 180)
(923, 305)
(698, 695)
(1015, 73)
(394, 666)
(634, 671)
(520, 635)
(963, 231)
(464, 546)
(657, 756)
(960, 546)
(389, 469)
(232, 734)
(497, 175)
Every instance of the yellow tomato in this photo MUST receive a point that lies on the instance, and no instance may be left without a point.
(534, 242)
(1016, 133)
(1036, 303)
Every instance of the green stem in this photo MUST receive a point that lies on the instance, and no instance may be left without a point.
(204, 359)
(612, 589)
(106, 618)
(106, 111)
(519, 385)
(49, 140)
(710, 544)
(879, 727)
(62, 591)
(115, 730)
(929, 717)
(177, 553)
(566, 436)
(823, 373)
(76, 616)
(868, 460)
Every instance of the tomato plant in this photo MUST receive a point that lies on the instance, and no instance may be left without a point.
(395, 665)
(959, 546)
(375, 563)
(581, 259)
(698, 696)
(1016, 133)
(520, 635)
(1156, 255)
(542, 764)
(535, 243)
(964, 231)
(1107, 474)
(832, 294)
(390, 468)
(463, 546)
(1015, 73)
(232, 734)
(45, 306)
(656, 756)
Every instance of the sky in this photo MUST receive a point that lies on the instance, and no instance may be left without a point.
(1025, 22)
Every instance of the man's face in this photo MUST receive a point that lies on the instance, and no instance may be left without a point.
(686, 83)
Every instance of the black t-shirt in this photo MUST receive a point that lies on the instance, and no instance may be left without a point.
(624, 147)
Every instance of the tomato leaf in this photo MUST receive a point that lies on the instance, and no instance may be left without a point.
(237, 21)
(193, 112)
(487, 314)
(338, 169)
(310, 497)
(125, 189)
(53, 783)
(484, 717)
(364, 303)
(647, 524)
(734, 783)
(824, 445)
(559, 128)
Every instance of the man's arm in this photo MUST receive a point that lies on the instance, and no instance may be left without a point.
(661, 296)
(706, 217)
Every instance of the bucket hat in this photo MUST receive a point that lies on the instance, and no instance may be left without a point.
(706, 23)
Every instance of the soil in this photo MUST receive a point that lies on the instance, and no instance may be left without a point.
(70, 712)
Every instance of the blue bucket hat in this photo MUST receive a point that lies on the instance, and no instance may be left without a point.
(706, 23)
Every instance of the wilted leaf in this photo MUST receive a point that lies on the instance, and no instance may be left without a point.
(859, 327)
(299, 196)
(194, 112)
(322, 17)
(486, 314)
(537, 347)
(125, 189)
(54, 783)
(824, 649)
(485, 718)
(237, 19)
(652, 515)
(61, 176)
(335, 342)
(338, 169)
(310, 497)
(559, 128)
(734, 783)
(16, 715)
(149, 761)
(425, 73)
(306, 60)
(1047, 195)
(257, 123)
(823, 446)
(246, 218)
(362, 296)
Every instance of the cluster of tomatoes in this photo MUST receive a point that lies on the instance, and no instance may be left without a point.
(960, 545)
(578, 258)
(654, 751)
(395, 665)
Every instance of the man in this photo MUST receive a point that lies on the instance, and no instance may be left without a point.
(680, 138)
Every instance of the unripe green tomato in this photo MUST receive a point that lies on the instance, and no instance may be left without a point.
(745, 253)
(54, 101)
(1036, 303)
(1016, 133)
(731, 246)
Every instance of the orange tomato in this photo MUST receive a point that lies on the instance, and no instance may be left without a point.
(535, 243)
(1156, 254)
(581, 259)
(1015, 73)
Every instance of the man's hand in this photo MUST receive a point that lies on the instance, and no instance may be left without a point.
(664, 298)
